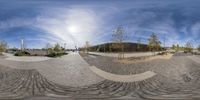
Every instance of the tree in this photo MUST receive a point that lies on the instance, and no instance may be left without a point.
(177, 47)
(57, 48)
(118, 37)
(188, 47)
(87, 46)
(48, 47)
(55, 51)
(154, 43)
(3, 46)
(198, 48)
(173, 47)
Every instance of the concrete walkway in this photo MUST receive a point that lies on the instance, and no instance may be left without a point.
(68, 70)
(72, 70)
(195, 58)
(123, 78)
(126, 55)
(24, 58)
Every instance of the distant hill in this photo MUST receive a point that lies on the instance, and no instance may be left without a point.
(128, 47)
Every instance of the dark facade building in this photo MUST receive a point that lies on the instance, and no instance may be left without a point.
(111, 47)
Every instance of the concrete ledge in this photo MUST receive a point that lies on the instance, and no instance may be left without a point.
(122, 78)
(25, 58)
(126, 55)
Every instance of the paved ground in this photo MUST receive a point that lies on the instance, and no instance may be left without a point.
(172, 68)
(195, 58)
(69, 70)
(175, 79)
(25, 59)
(123, 78)
(72, 67)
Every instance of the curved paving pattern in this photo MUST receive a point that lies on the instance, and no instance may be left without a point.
(70, 70)
(30, 84)
(123, 78)
(18, 83)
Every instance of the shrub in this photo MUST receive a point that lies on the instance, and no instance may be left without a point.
(56, 51)
(198, 48)
(56, 54)
(162, 53)
(188, 48)
(22, 53)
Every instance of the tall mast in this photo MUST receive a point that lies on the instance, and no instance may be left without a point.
(22, 44)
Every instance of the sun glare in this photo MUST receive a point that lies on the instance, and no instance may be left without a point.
(73, 29)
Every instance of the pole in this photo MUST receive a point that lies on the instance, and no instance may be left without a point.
(164, 40)
(22, 44)
(65, 46)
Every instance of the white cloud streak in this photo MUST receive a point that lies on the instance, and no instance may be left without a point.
(86, 21)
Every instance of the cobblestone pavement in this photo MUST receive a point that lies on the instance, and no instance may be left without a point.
(122, 78)
(70, 70)
(177, 78)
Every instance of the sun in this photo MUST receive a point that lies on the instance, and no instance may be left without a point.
(73, 29)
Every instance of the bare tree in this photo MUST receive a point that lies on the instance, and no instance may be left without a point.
(118, 37)
(188, 47)
(65, 46)
(87, 46)
(48, 46)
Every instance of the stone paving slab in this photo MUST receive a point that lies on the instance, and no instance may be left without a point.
(68, 70)
(31, 85)
(195, 58)
(122, 78)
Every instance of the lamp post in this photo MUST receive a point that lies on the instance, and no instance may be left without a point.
(65, 46)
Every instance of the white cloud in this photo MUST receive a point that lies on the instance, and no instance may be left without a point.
(16, 22)
(195, 29)
(85, 21)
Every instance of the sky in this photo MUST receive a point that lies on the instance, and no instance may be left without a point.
(74, 22)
